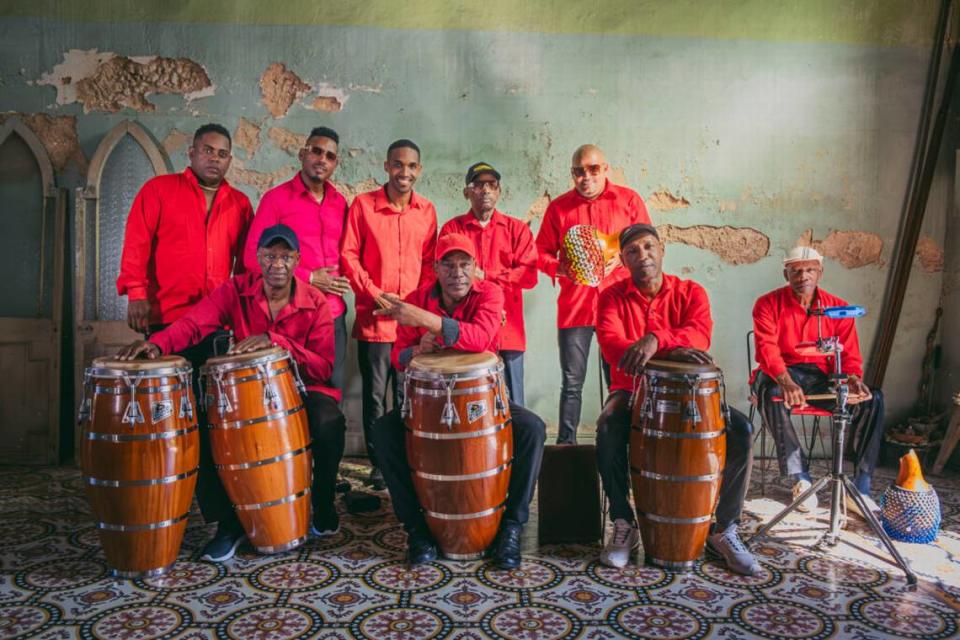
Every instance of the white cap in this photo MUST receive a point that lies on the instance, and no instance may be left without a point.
(802, 254)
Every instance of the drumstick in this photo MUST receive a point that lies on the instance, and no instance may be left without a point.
(832, 396)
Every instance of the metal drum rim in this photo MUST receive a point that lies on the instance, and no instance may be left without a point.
(435, 376)
(110, 373)
(282, 354)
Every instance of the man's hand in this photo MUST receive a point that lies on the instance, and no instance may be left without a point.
(383, 301)
(404, 313)
(792, 393)
(858, 388)
(324, 280)
(137, 348)
(138, 315)
(638, 354)
(611, 264)
(428, 343)
(251, 343)
(683, 354)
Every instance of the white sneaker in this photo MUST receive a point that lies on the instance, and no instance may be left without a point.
(810, 503)
(625, 538)
(853, 508)
(727, 544)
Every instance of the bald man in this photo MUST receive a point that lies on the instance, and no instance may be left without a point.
(595, 201)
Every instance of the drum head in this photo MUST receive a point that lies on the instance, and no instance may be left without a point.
(234, 361)
(450, 361)
(112, 366)
(664, 368)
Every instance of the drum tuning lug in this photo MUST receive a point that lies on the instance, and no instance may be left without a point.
(499, 407)
(186, 408)
(692, 412)
(270, 397)
(84, 413)
(132, 414)
(449, 416)
(223, 403)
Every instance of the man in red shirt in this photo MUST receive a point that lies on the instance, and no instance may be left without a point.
(265, 308)
(312, 206)
(781, 324)
(387, 248)
(595, 201)
(506, 256)
(455, 311)
(653, 314)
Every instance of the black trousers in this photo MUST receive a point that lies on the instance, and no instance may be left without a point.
(376, 375)
(865, 436)
(574, 344)
(513, 375)
(340, 350)
(529, 434)
(613, 442)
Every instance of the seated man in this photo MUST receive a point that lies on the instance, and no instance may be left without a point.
(653, 314)
(455, 311)
(780, 324)
(270, 307)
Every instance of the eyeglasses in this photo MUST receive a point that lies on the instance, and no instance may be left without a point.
(286, 259)
(210, 152)
(321, 153)
(494, 185)
(592, 169)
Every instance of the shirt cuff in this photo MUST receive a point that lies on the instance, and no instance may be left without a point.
(450, 331)
(136, 293)
(405, 356)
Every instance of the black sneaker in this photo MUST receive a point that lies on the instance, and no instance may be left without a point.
(325, 524)
(420, 548)
(375, 480)
(506, 550)
(224, 544)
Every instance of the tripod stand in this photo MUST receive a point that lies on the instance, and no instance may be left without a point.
(838, 480)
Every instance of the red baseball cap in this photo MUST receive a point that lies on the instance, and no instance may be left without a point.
(455, 242)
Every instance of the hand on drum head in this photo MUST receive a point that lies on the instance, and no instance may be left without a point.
(138, 315)
(139, 348)
(685, 354)
(251, 343)
(428, 343)
(638, 354)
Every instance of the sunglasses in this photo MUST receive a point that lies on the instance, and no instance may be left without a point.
(321, 153)
(592, 169)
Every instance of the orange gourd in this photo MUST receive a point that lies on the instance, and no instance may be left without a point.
(910, 476)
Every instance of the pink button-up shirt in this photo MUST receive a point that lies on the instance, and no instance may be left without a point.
(319, 228)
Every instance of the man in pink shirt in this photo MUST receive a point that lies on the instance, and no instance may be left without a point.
(311, 206)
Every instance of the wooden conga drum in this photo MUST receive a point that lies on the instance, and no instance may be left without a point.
(139, 454)
(460, 447)
(677, 452)
(261, 444)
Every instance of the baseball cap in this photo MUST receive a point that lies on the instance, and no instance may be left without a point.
(455, 242)
(802, 254)
(281, 232)
(481, 167)
(635, 231)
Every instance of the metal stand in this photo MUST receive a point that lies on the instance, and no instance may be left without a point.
(838, 480)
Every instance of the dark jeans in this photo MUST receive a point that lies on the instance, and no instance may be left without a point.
(340, 351)
(613, 442)
(513, 375)
(376, 374)
(529, 434)
(574, 346)
(865, 435)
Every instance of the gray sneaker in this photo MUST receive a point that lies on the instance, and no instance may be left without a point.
(727, 545)
(625, 538)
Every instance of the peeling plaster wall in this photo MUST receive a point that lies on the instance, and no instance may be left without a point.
(745, 131)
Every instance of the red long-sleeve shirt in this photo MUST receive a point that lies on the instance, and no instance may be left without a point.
(508, 256)
(679, 316)
(174, 253)
(477, 321)
(385, 250)
(780, 322)
(617, 207)
(319, 228)
(304, 327)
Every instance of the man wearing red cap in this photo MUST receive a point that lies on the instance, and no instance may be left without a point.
(594, 201)
(459, 312)
(781, 323)
(506, 256)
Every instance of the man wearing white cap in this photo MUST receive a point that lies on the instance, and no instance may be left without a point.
(781, 323)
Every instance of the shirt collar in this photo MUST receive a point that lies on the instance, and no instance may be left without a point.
(668, 284)
(434, 295)
(608, 193)
(299, 294)
(300, 187)
(192, 179)
(382, 203)
(496, 218)
(788, 293)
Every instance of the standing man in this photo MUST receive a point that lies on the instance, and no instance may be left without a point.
(387, 248)
(506, 256)
(594, 200)
(781, 322)
(311, 206)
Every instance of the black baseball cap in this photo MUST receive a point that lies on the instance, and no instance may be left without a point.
(635, 231)
(279, 232)
(481, 167)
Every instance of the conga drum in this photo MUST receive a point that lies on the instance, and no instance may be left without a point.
(459, 444)
(139, 454)
(677, 452)
(261, 444)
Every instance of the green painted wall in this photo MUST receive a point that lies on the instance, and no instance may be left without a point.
(780, 116)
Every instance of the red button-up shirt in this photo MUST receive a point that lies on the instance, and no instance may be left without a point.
(385, 250)
(173, 252)
(508, 257)
(679, 316)
(304, 327)
(617, 207)
(780, 322)
(319, 228)
(478, 317)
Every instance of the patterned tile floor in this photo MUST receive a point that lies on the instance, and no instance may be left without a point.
(355, 585)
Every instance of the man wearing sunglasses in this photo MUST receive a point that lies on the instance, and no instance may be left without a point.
(595, 201)
(506, 256)
(312, 206)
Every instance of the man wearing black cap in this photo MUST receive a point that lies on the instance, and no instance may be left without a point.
(267, 308)
(506, 256)
(653, 314)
